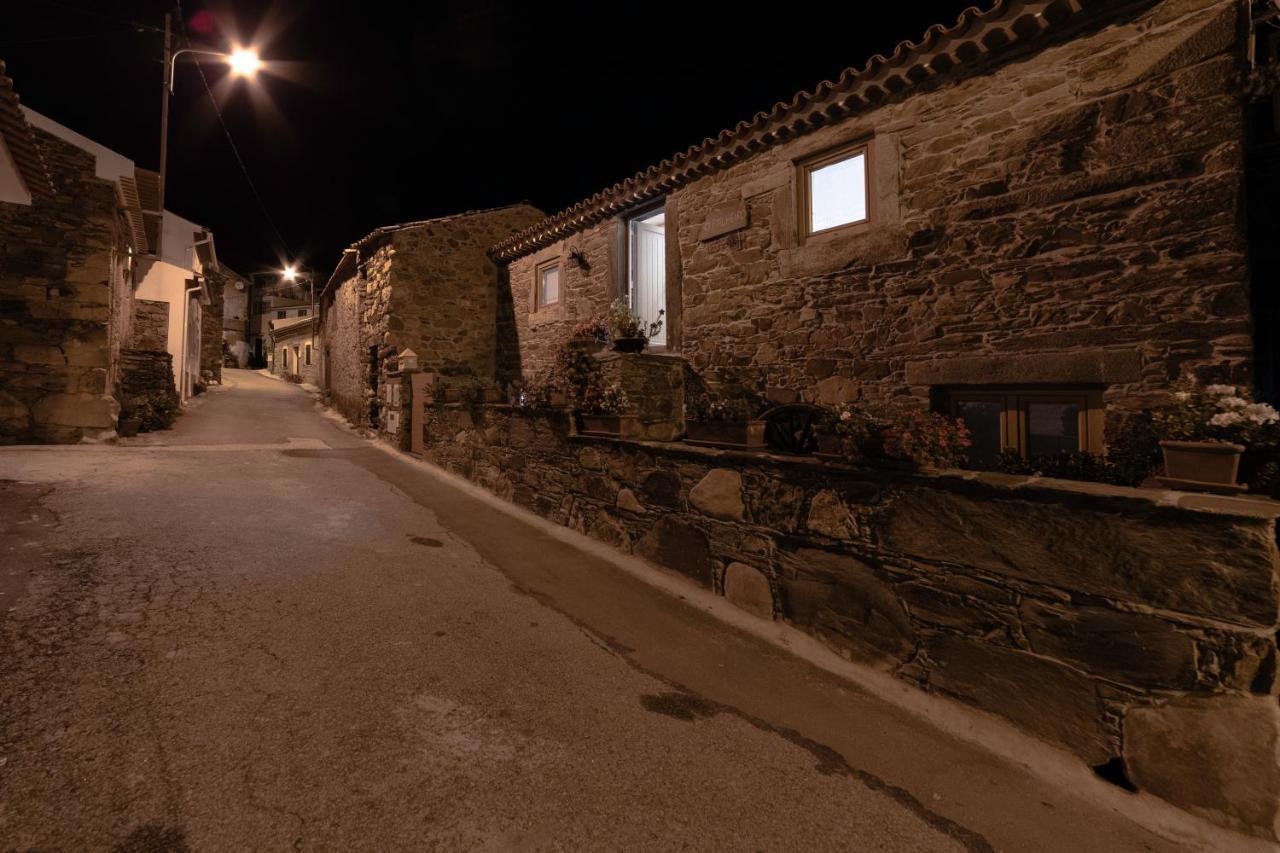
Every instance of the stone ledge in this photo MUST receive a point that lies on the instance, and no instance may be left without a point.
(1045, 489)
(1084, 367)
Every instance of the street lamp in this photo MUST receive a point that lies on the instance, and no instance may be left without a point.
(243, 63)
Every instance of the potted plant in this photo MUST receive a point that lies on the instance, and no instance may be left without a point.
(848, 433)
(1205, 431)
(732, 421)
(926, 440)
(630, 333)
(603, 410)
(590, 336)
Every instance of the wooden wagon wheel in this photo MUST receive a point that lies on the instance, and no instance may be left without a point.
(792, 428)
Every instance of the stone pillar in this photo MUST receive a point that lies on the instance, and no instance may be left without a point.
(655, 386)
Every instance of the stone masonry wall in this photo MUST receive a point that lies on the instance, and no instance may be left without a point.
(64, 305)
(150, 325)
(344, 361)
(1115, 623)
(444, 289)
(1073, 216)
(211, 331)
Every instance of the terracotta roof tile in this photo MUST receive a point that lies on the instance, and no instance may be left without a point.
(976, 37)
(22, 143)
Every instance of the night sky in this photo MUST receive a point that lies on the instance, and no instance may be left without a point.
(371, 114)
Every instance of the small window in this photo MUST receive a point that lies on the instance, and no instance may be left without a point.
(1029, 421)
(308, 353)
(547, 280)
(284, 358)
(302, 312)
(280, 315)
(834, 190)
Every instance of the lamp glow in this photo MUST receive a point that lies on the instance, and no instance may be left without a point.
(244, 63)
(290, 273)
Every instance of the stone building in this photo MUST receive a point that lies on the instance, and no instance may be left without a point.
(1041, 206)
(67, 272)
(235, 342)
(429, 286)
(1036, 218)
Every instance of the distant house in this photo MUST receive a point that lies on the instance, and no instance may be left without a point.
(81, 279)
(293, 348)
(234, 337)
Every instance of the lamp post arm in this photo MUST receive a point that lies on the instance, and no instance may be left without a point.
(173, 60)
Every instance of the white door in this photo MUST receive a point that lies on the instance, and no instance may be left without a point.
(649, 270)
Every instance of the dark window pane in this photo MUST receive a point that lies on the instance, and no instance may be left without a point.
(982, 417)
(1052, 428)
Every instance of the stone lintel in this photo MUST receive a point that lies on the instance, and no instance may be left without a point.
(1081, 367)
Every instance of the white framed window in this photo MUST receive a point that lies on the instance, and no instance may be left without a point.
(834, 190)
(546, 284)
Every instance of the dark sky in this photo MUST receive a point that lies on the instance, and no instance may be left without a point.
(375, 113)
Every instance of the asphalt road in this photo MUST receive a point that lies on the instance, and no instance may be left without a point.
(258, 631)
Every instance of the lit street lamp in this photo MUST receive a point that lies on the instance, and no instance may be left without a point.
(243, 63)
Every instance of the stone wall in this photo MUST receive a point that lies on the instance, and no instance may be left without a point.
(444, 290)
(1069, 217)
(211, 331)
(150, 325)
(297, 345)
(345, 363)
(1115, 623)
(65, 303)
(146, 388)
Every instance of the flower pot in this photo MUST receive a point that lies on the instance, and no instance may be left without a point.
(128, 427)
(557, 399)
(735, 435)
(448, 395)
(629, 344)
(1201, 466)
(606, 426)
(590, 346)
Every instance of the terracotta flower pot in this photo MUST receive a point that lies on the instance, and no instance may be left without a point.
(557, 399)
(736, 435)
(607, 426)
(491, 395)
(1202, 466)
(629, 344)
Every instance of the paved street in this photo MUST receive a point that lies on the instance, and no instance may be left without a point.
(259, 631)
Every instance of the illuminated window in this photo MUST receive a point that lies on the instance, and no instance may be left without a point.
(547, 284)
(835, 190)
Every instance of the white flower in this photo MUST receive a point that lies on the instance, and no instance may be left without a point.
(846, 416)
(1232, 403)
(1220, 390)
(1224, 419)
(1183, 395)
(1261, 413)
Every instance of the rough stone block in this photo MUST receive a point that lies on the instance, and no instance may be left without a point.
(678, 545)
(77, 410)
(1215, 756)
(1126, 647)
(626, 500)
(830, 516)
(719, 495)
(749, 589)
(1221, 567)
(1045, 698)
(841, 599)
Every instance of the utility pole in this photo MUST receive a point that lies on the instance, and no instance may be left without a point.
(164, 124)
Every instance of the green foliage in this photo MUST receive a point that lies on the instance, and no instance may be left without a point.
(605, 399)
(624, 323)
(1064, 465)
(156, 410)
(731, 404)
(861, 436)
